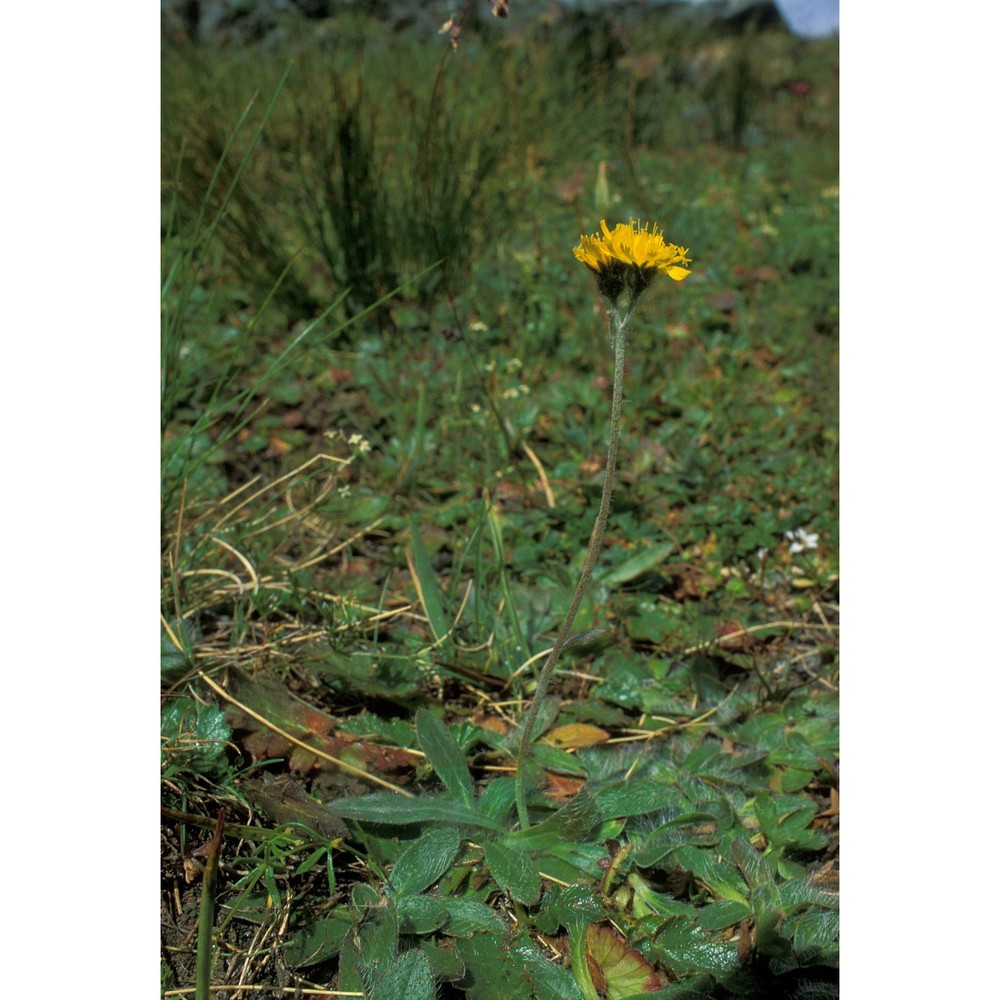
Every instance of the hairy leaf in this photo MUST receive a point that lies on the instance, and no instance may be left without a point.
(424, 861)
(407, 976)
(394, 810)
(319, 940)
(549, 980)
(572, 822)
(452, 916)
(444, 755)
(514, 872)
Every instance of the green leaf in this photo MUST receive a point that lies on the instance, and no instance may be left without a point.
(394, 810)
(568, 906)
(319, 941)
(452, 916)
(445, 964)
(555, 759)
(572, 822)
(408, 976)
(430, 590)
(630, 798)
(708, 867)
(684, 947)
(647, 900)
(445, 756)
(172, 659)
(514, 872)
(642, 562)
(369, 947)
(424, 861)
(769, 938)
(757, 870)
(788, 829)
(497, 798)
(549, 980)
(492, 972)
(718, 916)
(194, 736)
(691, 828)
(421, 914)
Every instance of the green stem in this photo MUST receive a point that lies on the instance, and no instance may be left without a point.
(618, 326)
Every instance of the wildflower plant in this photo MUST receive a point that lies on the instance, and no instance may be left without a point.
(624, 260)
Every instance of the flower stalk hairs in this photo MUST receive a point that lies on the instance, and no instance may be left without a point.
(624, 261)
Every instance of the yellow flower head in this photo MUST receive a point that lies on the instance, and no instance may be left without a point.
(629, 257)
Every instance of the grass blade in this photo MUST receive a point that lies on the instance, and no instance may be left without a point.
(426, 583)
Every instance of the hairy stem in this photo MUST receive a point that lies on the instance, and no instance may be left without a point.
(618, 324)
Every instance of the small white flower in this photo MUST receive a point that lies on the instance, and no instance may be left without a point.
(478, 326)
(361, 443)
(762, 553)
(800, 540)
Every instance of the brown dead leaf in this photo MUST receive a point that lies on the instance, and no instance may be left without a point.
(745, 944)
(491, 722)
(560, 788)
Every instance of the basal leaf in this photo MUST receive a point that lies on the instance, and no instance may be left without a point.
(549, 980)
(696, 827)
(646, 900)
(369, 947)
(421, 914)
(453, 916)
(445, 756)
(568, 906)
(572, 822)
(717, 916)
(630, 798)
(708, 867)
(570, 860)
(684, 947)
(757, 870)
(491, 971)
(497, 799)
(319, 940)
(394, 810)
(514, 872)
(407, 976)
(553, 759)
(445, 964)
(424, 861)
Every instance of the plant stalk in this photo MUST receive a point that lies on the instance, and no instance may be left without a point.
(206, 914)
(618, 326)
